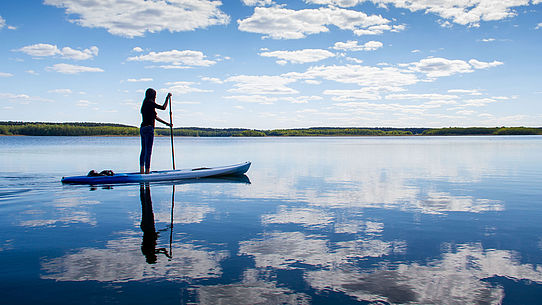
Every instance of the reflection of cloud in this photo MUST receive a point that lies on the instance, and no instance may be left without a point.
(6, 244)
(439, 202)
(412, 175)
(68, 210)
(460, 277)
(184, 214)
(283, 249)
(121, 260)
(304, 216)
(250, 291)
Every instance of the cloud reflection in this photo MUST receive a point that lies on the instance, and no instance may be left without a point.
(66, 210)
(121, 261)
(286, 250)
(460, 277)
(308, 217)
(251, 290)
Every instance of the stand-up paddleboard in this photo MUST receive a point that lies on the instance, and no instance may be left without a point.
(230, 170)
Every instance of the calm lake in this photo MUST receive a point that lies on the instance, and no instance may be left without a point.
(381, 220)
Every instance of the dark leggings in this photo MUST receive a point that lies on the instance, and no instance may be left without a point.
(147, 137)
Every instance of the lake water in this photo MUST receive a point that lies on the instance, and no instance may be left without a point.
(418, 220)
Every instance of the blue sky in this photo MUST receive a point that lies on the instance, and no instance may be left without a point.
(274, 64)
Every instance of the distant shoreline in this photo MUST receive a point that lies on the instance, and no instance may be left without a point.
(115, 130)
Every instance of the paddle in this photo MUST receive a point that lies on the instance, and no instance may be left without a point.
(171, 226)
(171, 132)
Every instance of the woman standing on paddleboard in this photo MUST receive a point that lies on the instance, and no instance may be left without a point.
(148, 113)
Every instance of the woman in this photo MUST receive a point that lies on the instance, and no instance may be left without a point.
(148, 113)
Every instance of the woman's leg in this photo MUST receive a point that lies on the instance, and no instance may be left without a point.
(148, 148)
(143, 151)
(147, 138)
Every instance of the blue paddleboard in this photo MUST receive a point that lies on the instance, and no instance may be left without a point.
(229, 170)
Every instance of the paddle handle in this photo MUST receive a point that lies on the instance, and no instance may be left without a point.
(171, 132)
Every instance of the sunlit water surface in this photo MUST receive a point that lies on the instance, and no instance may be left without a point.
(418, 220)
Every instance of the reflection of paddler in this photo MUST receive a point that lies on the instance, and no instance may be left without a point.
(148, 246)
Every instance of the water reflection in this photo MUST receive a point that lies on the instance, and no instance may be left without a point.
(148, 246)
(121, 260)
(254, 288)
(462, 276)
(133, 258)
(399, 222)
(65, 210)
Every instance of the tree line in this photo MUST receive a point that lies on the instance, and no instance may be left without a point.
(470, 131)
(104, 129)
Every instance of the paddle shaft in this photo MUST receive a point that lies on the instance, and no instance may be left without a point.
(171, 133)
(171, 226)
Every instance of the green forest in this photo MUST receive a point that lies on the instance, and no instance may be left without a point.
(104, 129)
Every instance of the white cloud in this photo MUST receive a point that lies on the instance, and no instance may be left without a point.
(538, 26)
(267, 100)
(301, 99)
(464, 12)
(445, 24)
(85, 103)
(261, 85)
(479, 102)
(437, 67)
(5, 74)
(72, 69)
(430, 96)
(182, 88)
(355, 60)
(488, 39)
(353, 95)
(379, 29)
(70, 53)
(139, 80)
(169, 67)
(61, 91)
(257, 2)
(352, 45)
(176, 58)
(40, 49)
(44, 49)
(466, 91)
(281, 23)
(484, 65)
(366, 76)
(212, 80)
(299, 56)
(130, 18)
(32, 72)
(23, 98)
(137, 49)
(2, 22)
(313, 82)
(256, 99)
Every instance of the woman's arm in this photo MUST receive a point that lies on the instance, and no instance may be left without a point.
(168, 98)
(163, 122)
